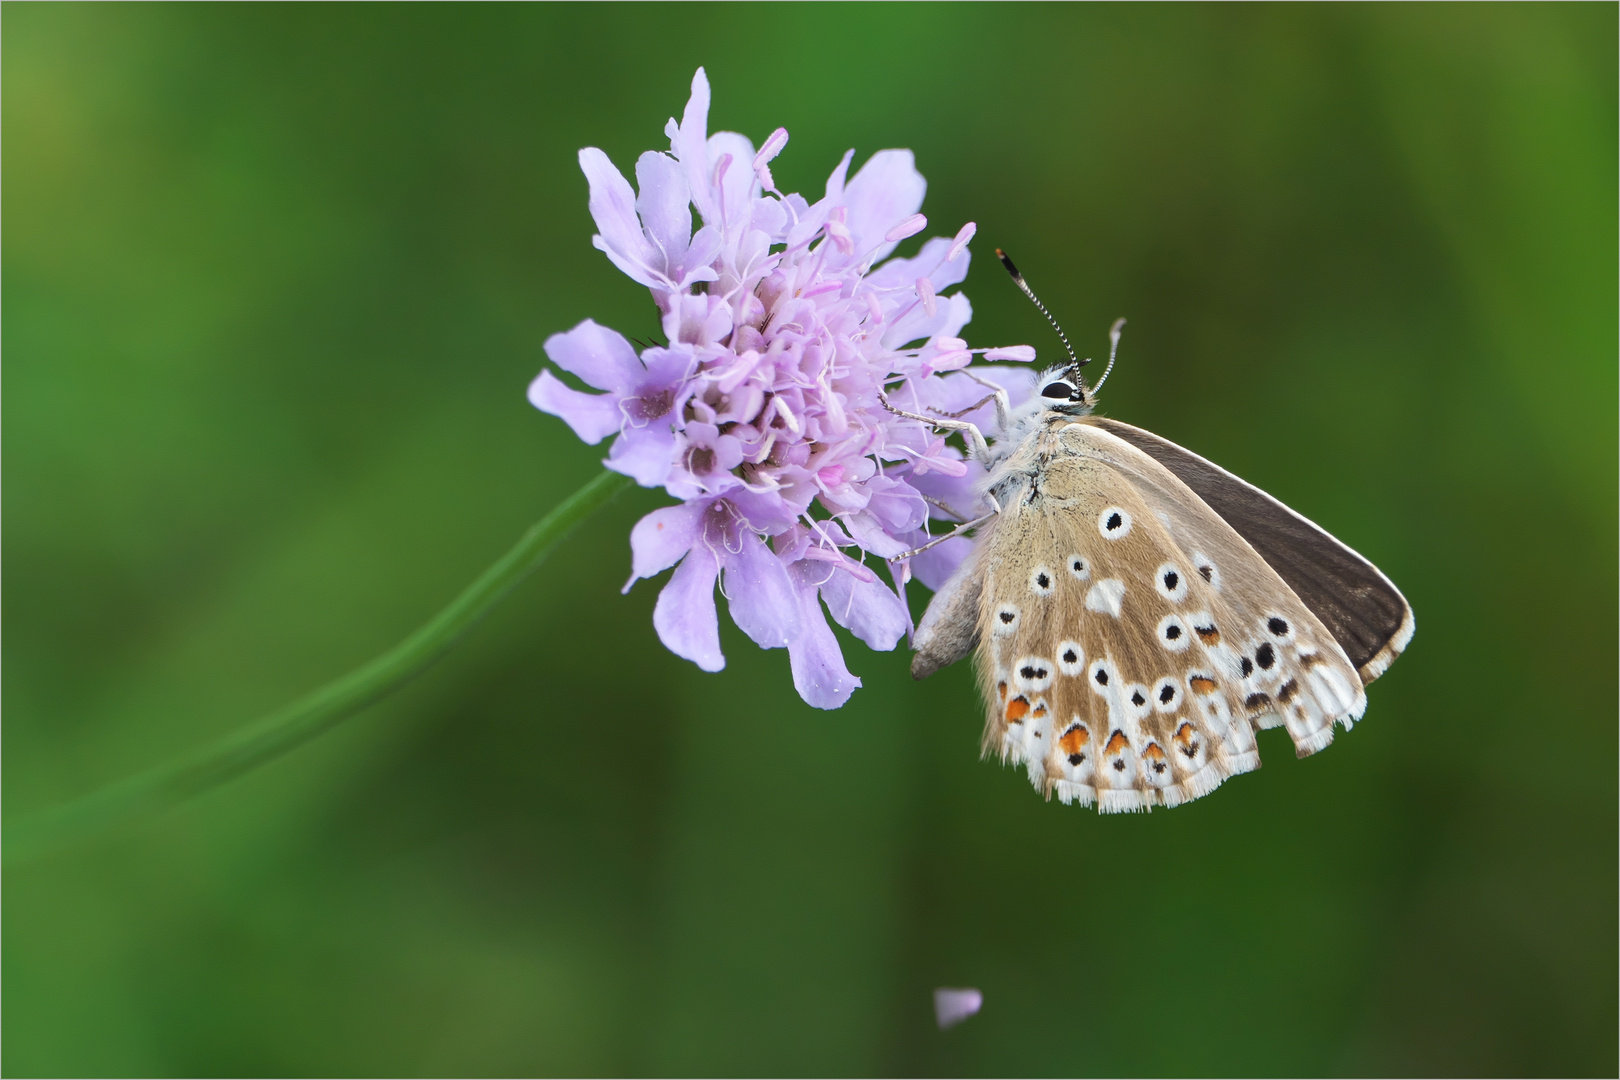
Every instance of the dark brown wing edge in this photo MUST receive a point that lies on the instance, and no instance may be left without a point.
(1363, 610)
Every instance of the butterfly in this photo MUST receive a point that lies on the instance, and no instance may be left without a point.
(1139, 613)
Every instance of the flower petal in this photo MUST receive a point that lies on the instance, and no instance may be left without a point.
(597, 355)
(895, 503)
(685, 616)
(705, 248)
(819, 674)
(689, 142)
(763, 603)
(868, 609)
(961, 313)
(702, 319)
(935, 566)
(767, 511)
(665, 206)
(660, 539)
(592, 416)
(886, 191)
(613, 207)
(869, 532)
(930, 263)
(740, 184)
(645, 454)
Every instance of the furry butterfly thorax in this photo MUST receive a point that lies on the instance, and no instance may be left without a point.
(1139, 613)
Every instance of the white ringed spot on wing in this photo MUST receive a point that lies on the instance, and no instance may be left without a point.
(1040, 581)
(1071, 658)
(1114, 523)
(1171, 582)
(1166, 695)
(1079, 567)
(1173, 633)
(1033, 673)
(1006, 619)
(1100, 675)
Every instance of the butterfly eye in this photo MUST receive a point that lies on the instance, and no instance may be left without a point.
(1061, 390)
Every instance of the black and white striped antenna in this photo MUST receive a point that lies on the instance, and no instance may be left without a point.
(1075, 363)
(1018, 279)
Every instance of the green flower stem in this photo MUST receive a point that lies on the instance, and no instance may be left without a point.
(262, 742)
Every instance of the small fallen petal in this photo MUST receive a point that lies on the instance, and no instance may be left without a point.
(963, 235)
(913, 225)
(952, 1006)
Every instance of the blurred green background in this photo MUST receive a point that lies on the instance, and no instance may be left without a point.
(275, 279)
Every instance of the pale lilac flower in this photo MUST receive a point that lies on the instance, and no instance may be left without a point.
(785, 320)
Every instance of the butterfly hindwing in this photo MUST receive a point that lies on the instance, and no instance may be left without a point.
(1129, 641)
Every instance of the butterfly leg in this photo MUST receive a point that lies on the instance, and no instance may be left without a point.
(958, 531)
(959, 413)
(980, 448)
(997, 394)
(944, 506)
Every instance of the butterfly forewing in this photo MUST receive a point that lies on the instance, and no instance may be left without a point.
(1130, 641)
(1362, 608)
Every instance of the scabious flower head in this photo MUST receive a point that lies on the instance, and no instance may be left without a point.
(785, 320)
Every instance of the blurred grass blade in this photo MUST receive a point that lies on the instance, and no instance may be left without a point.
(260, 743)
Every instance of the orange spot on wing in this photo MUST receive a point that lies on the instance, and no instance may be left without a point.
(1074, 740)
(1117, 743)
(1208, 635)
(1001, 691)
(1016, 709)
(1153, 752)
(1201, 685)
(1040, 711)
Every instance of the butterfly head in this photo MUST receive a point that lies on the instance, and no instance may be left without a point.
(1063, 391)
